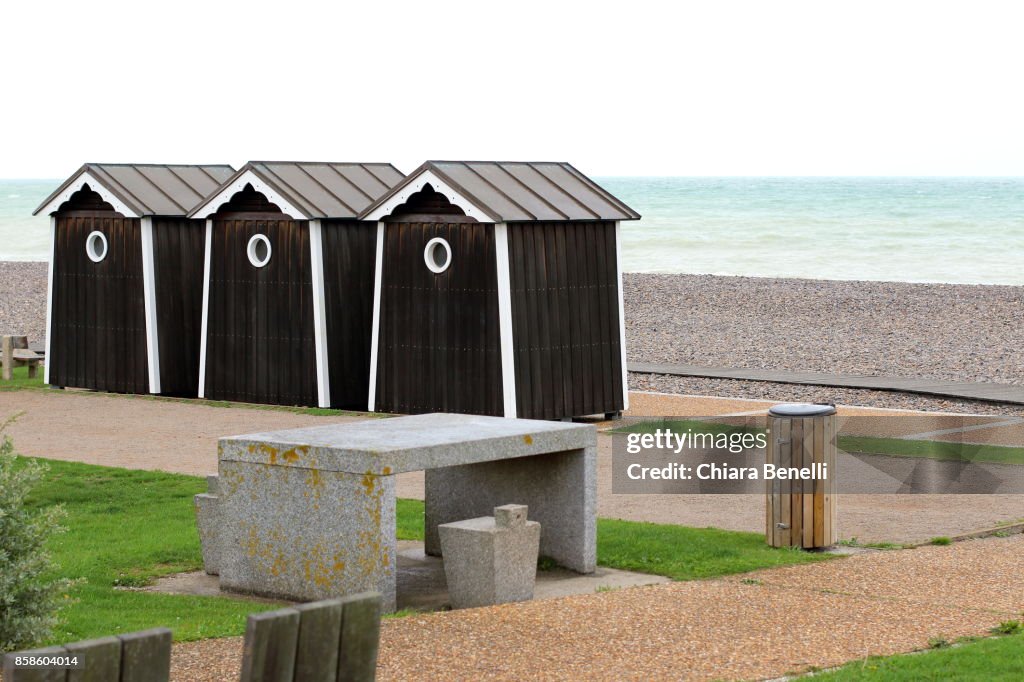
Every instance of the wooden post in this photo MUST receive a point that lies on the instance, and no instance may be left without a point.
(10, 343)
(146, 656)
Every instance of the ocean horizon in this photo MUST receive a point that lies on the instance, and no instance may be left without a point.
(967, 230)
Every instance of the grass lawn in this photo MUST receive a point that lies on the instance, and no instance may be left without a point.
(995, 658)
(126, 527)
(21, 379)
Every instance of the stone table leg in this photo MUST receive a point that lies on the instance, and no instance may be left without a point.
(305, 534)
(559, 488)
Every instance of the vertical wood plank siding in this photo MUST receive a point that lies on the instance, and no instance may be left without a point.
(260, 346)
(439, 349)
(99, 328)
(178, 245)
(565, 319)
(349, 255)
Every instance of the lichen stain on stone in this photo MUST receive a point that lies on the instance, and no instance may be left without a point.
(314, 486)
(270, 557)
(372, 557)
(528, 439)
(325, 572)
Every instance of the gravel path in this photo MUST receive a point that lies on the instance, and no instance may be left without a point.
(23, 299)
(791, 619)
(943, 331)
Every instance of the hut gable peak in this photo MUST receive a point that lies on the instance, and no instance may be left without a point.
(136, 189)
(417, 182)
(509, 191)
(308, 190)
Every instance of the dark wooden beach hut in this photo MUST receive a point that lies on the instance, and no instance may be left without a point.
(498, 291)
(125, 278)
(288, 283)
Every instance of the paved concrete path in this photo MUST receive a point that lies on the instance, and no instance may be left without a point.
(752, 626)
(990, 392)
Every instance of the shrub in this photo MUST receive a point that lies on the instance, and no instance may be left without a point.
(29, 597)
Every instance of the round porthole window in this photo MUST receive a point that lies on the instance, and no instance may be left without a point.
(96, 246)
(438, 255)
(259, 250)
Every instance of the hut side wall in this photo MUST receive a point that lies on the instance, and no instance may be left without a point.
(350, 250)
(178, 247)
(98, 318)
(260, 344)
(565, 319)
(438, 345)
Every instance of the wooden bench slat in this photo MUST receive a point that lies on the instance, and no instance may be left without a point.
(12, 674)
(316, 657)
(271, 639)
(146, 656)
(102, 659)
(360, 637)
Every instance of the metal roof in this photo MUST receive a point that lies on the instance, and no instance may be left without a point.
(151, 189)
(316, 189)
(519, 191)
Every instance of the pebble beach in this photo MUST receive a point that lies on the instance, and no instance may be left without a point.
(952, 332)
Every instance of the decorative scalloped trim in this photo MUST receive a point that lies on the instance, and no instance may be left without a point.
(212, 205)
(95, 185)
(427, 177)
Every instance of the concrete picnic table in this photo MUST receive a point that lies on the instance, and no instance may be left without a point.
(309, 513)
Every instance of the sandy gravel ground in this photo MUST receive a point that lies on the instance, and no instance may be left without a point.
(791, 619)
(176, 436)
(943, 331)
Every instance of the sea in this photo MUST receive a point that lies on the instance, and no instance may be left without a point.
(956, 230)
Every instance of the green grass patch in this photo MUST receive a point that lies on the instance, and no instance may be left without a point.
(677, 552)
(125, 528)
(21, 380)
(933, 449)
(984, 660)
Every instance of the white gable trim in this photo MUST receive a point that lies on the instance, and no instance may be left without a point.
(415, 185)
(86, 178)
(212, 205)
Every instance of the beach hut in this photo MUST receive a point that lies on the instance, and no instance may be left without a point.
(288, 283)
(498, 291)
(125, 277)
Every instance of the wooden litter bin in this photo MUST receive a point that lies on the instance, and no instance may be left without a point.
(801, 513)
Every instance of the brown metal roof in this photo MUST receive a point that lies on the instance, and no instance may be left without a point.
(519, 191)
(152, 189)
(322, 189)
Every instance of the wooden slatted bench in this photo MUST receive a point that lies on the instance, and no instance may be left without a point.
(135, 657)
(328, 641)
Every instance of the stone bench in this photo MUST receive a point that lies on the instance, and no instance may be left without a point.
(309, 513)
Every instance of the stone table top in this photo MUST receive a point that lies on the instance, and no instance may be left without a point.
(400, 444)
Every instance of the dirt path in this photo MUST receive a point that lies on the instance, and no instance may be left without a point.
(182, 437)
(754, 626)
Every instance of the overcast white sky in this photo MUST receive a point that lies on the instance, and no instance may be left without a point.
(625, 88)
